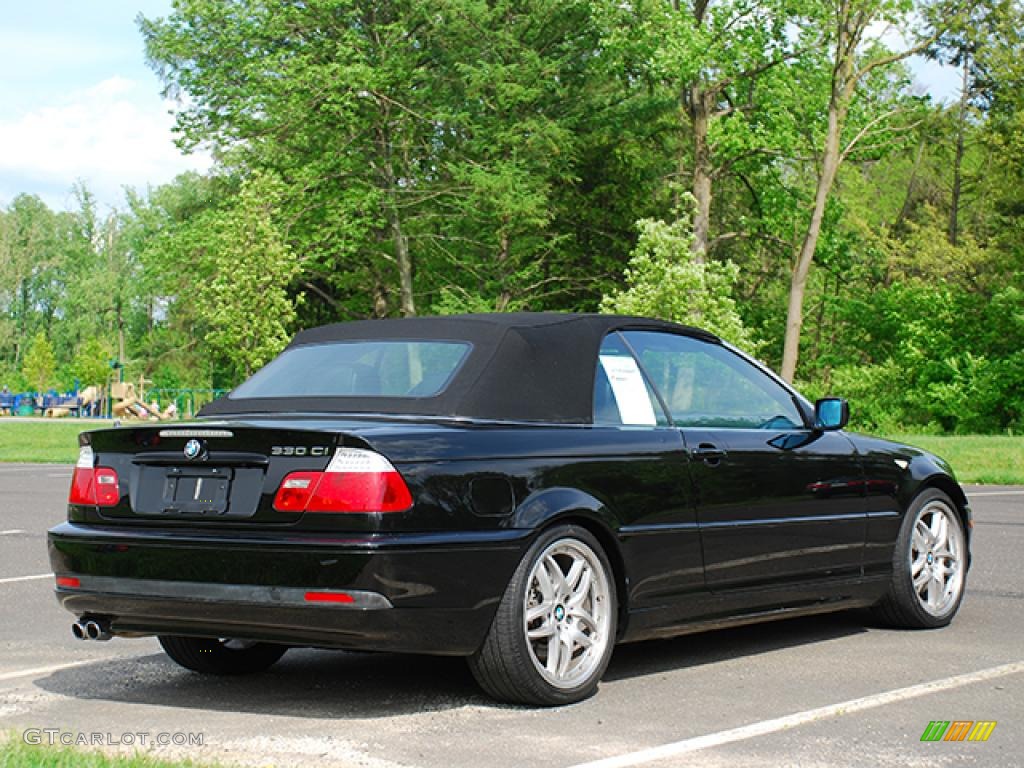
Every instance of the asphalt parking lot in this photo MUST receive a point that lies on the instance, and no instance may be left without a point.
(823, 691)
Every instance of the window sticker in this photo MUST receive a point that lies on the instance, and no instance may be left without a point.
(629, 389)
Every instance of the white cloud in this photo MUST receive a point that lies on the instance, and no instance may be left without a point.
(111, 135)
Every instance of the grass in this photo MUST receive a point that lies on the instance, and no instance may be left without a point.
(50, 441)
(984, 459)
(14, 753)
(987, 459)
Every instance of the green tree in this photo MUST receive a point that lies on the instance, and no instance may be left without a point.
(39, 364)
(514, 94)
(421, 144)
(707, 60)
(102, 283)
(665, 279)
(167, 231)
(332, 96)
(854, 57)
(246, 304)
(91, 365)
(31, 258)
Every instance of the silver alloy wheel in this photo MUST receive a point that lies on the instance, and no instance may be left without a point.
(567, 617)
(937, 558)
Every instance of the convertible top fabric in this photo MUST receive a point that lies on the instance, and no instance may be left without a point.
(522, 367)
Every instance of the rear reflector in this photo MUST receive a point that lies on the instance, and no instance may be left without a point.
(295, 491)
(356, 480)
(95, 486)
(68, 581)
(107, 492)
(329, 597)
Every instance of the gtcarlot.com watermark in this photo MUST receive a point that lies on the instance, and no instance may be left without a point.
(58, 737)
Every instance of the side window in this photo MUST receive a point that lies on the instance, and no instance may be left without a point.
(707, 385)
(621, 393)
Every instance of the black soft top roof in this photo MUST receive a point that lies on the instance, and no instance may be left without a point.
(529, 366)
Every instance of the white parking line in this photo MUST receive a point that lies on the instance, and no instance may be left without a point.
(996, 493)
(801, 718)
(27, 578)
(36, 468)
(43, 670)
(11, 532)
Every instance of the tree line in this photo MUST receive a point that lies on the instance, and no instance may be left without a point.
(764, 168)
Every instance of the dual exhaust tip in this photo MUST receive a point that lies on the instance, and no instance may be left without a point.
(91, 629)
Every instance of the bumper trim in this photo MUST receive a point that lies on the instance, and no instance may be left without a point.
(250, 594)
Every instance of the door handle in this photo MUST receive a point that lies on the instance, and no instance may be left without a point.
(709, 453)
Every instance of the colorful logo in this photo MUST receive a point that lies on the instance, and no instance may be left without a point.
(958, 730)
(194, 449)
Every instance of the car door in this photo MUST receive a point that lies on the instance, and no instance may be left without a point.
(777, 501)
(651, 492)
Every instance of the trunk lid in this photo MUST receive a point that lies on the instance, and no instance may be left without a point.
(208, 473)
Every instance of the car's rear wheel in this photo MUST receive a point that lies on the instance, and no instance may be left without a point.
(221, 656)
(553, 634)
(929, 565)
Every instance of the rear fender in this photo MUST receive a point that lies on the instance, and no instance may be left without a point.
(552, 505)
(544, 507)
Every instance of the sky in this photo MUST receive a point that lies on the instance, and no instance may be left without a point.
(79, 103)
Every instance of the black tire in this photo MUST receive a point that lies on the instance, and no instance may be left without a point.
(902, 605)
(213, 656)
(508, 666)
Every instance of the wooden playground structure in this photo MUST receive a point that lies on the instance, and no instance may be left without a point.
(126, 400)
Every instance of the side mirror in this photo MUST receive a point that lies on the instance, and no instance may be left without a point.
(831, 413)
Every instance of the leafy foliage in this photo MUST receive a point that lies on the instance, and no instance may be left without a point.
(384, 158)
(39, 365)
(245, 302)
(90, 365)
(663, 279)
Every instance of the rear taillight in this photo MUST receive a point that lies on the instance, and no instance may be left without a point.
(95, 486)
(83, 491)
(356, 480)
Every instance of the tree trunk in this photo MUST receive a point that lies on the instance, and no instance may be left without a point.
(805, 256)
(505, 295)
(852, 19)
(120, 333)
(699, 107)
(407, 304)
(400, 242)
(22, 334)
(954, 206)
(380, 299)
(118, 303)
(908, 199)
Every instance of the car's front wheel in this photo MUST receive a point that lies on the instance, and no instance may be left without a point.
(553, 634)
(929, 565)
(221, 656)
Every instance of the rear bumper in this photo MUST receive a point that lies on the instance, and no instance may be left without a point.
(418, 593)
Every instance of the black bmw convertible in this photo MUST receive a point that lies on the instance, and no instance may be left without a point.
(524, 490)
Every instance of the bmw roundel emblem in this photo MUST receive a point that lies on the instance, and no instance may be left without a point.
(193, 449)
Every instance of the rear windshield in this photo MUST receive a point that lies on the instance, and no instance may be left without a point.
(358, 369)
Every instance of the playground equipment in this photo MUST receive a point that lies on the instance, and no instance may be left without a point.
(186, 401)
(55, 405)
(131, 404)
(116, 398)
(49, 403)
(121, 400)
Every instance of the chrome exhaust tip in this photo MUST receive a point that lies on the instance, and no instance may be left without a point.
(78, 630)
(95, 630)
